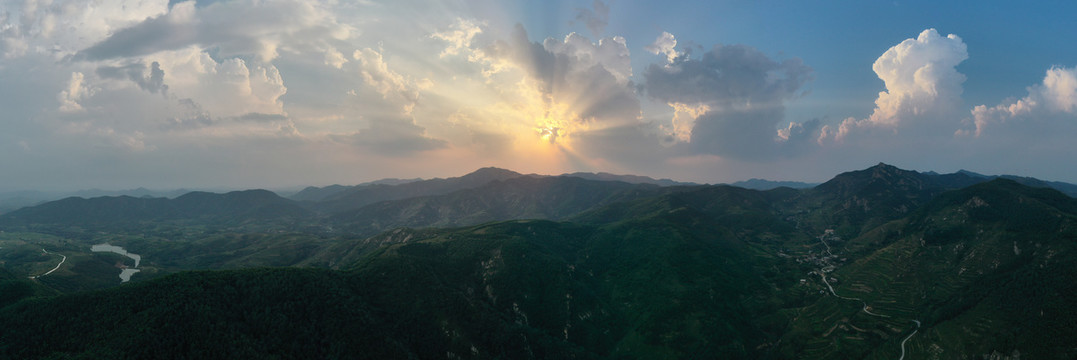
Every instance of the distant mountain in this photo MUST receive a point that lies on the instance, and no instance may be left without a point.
(138, 192)
(631, 179)
(523, 197)
(10, 201)
(312, 193)
(761, 184)
(14, 200)
(359, 196)
(390, 189)
(113, 210)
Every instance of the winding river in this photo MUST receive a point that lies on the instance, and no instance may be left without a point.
(125, 274)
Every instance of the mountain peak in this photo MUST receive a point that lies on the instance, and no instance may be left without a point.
(493, 172)
(886, 168)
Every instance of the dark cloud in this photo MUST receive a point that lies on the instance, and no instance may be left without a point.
(745, 91)
(152, 35)
(727, 75)
(800, 138)
(198, 3)
(577, 72)
(262, 118)
(153, 82)
(637, 146)
(600, 96)
(392, 137)
(532, 57)
(230, 28)
(191, 116)
(745, 134)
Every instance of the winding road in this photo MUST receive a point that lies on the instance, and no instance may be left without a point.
(907, 339)
(64, 258)
(822, 275)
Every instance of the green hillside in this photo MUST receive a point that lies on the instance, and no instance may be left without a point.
(985, 269)
(873, 264)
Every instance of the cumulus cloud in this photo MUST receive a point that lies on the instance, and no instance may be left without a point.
(230, 87)
(335, 58)
(664, 44)
(1060, 89)
(153, 81)
(266, 27)
(591, 78)
(190, 116)
(734, 96)
(459, 36)
(61, 27)
(572, 84)
(390, 84)
(1047, 105)
(75, 91)
(923, 86)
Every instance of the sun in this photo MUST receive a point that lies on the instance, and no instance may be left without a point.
(549, 133)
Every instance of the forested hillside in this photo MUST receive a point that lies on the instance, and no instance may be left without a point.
(877, 263)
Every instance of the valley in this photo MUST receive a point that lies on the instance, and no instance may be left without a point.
(879, 263)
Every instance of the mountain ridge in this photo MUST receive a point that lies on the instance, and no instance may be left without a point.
(871, 264)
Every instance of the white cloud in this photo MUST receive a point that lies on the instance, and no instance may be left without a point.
(230, 87)
(1060, 89)
(459, 36)
(923, 87)
(392, 86)
(664, 44)
(75, 91)
(1049, 104)
(610, 53)
(918, 73)
(335, 58)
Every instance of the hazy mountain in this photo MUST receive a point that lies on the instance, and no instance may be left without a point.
(761, 184)
(138, 192)
(313, 193)
(517, 198)
(14, 200)
(110, 210)
(631, 179)
(356, 197)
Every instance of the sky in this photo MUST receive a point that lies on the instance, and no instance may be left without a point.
(277, 93)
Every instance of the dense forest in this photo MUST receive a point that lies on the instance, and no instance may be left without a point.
(876, 263)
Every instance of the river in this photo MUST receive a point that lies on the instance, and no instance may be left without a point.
(125, 274)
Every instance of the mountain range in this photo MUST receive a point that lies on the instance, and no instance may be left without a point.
(874, 263)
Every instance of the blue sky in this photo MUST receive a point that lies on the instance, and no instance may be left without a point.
(244, 93)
